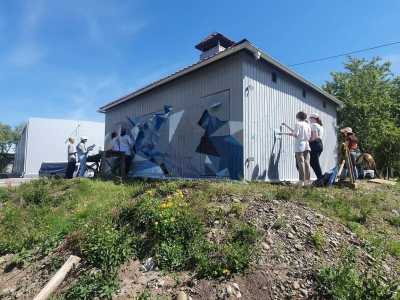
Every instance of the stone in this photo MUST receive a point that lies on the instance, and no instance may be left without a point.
(229, 290)
(148, 265)
(182, 296)
(236, 286)
(290, 235)
(265, 246)
(304, 292)
(298, 247)
(296, 285)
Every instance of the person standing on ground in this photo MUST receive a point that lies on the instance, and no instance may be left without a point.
(125, 145)
(71, 155)
(316, 145)
(302, 135)
(351, 141)
(82, 152)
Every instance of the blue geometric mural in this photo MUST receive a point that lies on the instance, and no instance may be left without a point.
(223, 151)
(157, 153)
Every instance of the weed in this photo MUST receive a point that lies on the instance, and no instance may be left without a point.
(145, 295)
(318, 239)
(238, 209)
(105, 247)
(93, 285)
(285, 194)
(394, 221)
(279, 223)
(346, 282)
(4, 195)
(393, 247)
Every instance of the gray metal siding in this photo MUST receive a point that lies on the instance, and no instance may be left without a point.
(191, 95)
(20, 152)
(266, 105)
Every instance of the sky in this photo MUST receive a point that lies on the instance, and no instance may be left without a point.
(65, 59)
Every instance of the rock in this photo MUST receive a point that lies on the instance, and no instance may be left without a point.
(238, 295)
(216, 222)
(304, 292)
(296, 285)
(148, 265)
(236, 286)
(229, 290)
(182, 296)
(290, 236)
(298, 247)
(396, 212)
(265, 246)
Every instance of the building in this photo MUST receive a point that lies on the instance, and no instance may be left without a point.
(219, 117)
(45, 140)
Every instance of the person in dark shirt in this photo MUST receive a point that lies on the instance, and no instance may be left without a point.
(351, 142)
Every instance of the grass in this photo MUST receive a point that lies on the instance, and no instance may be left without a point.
(106, 224)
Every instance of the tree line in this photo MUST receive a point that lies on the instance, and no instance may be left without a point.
(371, 96)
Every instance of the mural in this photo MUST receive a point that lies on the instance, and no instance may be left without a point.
(221, 149)
(217, 153)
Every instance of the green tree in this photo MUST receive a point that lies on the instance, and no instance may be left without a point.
(8, 139)
(370, 94)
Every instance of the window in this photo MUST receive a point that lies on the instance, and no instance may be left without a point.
(273, 77)
(304, 93)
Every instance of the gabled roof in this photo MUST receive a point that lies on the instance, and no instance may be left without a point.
(242, 45)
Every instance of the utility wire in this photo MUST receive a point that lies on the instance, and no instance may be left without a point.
(343, 54)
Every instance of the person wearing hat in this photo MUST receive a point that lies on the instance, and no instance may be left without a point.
(82, 152)
(351, 141)
(316, 145)
(71, 155)
(302, 134)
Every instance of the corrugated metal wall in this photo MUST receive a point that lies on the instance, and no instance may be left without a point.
(266, 105)
(189, 95)
(20, 151)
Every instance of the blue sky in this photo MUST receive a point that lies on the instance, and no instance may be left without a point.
(64, 59)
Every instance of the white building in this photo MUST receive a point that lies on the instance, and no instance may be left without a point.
(45, 140)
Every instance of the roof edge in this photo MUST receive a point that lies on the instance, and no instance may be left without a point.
(245, 44)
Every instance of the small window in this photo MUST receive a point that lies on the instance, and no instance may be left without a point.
(273, 76)
(304, 93)
(324, 104)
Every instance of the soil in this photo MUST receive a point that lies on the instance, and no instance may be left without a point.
(284, 269)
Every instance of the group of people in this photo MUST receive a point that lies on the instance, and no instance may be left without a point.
(308, 133)
(123, 143)
(77, 153)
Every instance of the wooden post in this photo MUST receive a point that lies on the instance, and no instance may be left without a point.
(58, 278)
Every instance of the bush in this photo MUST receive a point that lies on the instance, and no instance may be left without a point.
(235, 255)
(105, 247)
(168, 228)
(346, 282)
(318, 239)
(92, 285)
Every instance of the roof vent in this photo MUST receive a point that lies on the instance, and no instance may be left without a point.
(213, 44)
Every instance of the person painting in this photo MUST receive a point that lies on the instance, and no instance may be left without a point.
(125, 145)
(82, 153)
(71, 158)
(302, 135)
(351, 141)
(316, 145)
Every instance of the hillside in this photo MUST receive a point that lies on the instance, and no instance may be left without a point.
(211, 240)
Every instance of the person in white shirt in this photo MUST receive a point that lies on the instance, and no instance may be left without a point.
(71, 158)
(316, 145)
(125, 145)
(302, 135)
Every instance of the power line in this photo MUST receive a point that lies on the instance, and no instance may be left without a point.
(343, 54)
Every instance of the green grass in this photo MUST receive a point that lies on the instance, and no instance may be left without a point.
(107, 224)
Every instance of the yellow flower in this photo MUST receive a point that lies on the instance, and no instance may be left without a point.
(156, 223)
(226, 272)
(163, 205)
